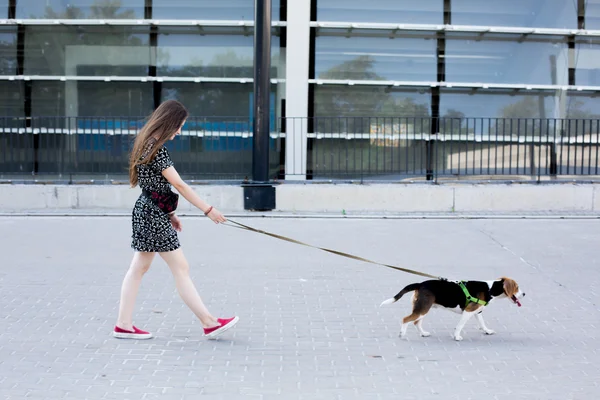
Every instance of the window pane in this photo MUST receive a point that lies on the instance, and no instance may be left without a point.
(496, 104)
(216, 99)
(592, 14)
(209, 9)
(341, 100)
(81, 9)
(114, 99)
(526, 104)
(524, 13)
(378, 112)
(215, 142)
(8, 51)
(222, 52)
(48, 99)
(79, 98)
(16, 149)
(587, 61)
(390, 11)
(3, 9)
(506, 60)
(368, 58)
(582, 106)
(11, 99)
(86, 50)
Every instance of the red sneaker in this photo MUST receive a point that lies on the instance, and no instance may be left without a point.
(217, 330)
(135, 334)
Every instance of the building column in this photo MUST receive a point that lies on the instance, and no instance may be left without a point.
(296, 88)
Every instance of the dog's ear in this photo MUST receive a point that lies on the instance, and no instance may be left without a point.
(510, 287)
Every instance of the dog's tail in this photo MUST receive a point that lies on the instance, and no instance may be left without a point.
(409, 288)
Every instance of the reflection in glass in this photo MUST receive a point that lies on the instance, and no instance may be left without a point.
(583, 106)
(8, 51)
(355, 101)
(206, 99)
(505, 59)
(16, 153)
(81, 9)
(48, 99)
(216, 99)
(209, 9)
(86, 50)
(3, 9)
(215, 141)
(388, 125)
(523, 104)
(382, 11)
(211, 53)
(368, 58)
(587, 61)
(85, 99)
(529, 13)
(592, 14)
(496, 104)
(12, 99)
(114, 98)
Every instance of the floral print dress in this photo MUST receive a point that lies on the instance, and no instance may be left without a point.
(152, 229)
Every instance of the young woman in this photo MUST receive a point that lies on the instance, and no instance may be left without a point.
(155, 224)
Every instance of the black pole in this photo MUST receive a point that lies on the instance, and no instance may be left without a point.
(12, 9)
(260, 194)
(553, 158)
(156, 85)
(262, 86)
(435, 126)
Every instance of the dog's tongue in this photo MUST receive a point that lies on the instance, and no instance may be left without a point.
(517, 302)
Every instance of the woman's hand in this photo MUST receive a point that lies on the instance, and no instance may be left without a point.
(176, 222)
(215, 216)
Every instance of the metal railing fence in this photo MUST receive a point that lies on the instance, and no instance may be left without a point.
(322, 148)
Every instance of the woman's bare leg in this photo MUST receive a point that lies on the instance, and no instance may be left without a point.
(131, 283)
(185, 287)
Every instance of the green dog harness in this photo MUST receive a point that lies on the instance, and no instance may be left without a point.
(470, 299)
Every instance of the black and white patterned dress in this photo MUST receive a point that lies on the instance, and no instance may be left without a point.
(152, 229)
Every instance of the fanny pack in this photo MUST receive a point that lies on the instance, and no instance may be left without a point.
(167, 202)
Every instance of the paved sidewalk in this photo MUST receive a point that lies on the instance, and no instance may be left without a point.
(311, 326)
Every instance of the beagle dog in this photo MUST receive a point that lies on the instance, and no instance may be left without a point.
(464, 297)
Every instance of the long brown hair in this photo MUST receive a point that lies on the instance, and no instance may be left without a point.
(161, 125)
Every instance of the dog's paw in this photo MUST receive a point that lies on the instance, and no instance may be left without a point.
(458, 338)
(489, 332)
(425, 334)
(403, 336)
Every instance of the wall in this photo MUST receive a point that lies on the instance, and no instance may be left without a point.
(322, 198)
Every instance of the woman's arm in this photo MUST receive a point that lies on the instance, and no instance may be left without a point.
(190, 195)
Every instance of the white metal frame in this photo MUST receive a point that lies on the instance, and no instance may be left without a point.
(65, 78)
(465, 85)
(455, 28)
(297, 88)
(314, 24)
(344, 82)
(136, 22)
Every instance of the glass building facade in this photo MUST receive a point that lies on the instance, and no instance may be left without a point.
(330, 58)
(107, 58)
(477, 58)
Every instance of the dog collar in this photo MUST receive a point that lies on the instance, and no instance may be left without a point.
(471, 299)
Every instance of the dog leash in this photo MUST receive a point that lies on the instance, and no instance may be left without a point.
(339, 253)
